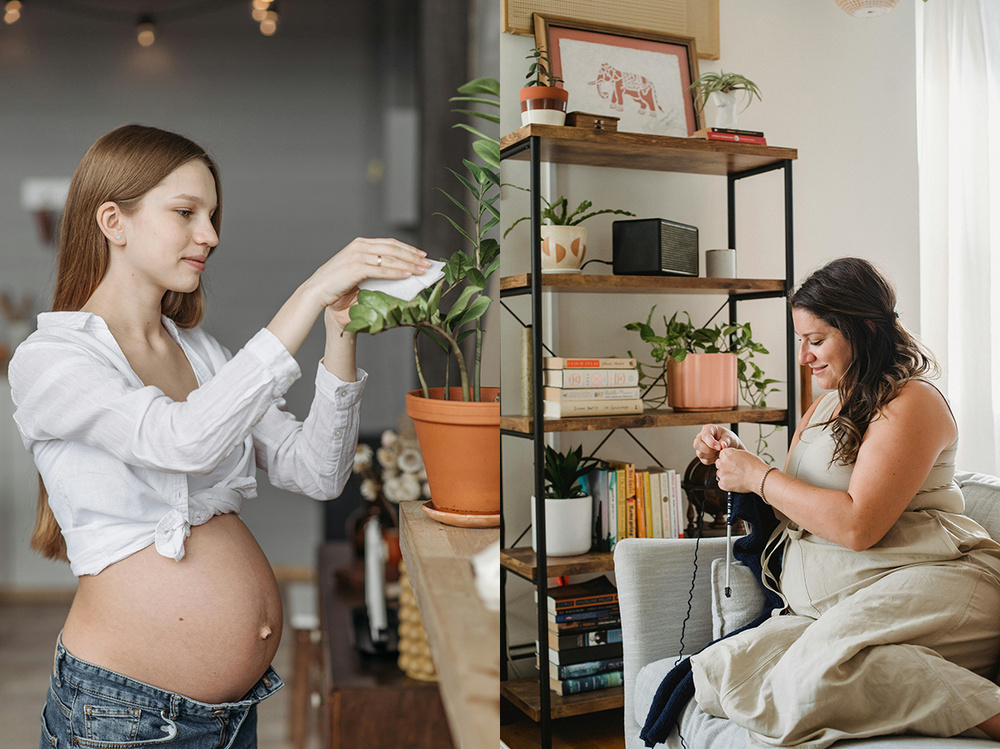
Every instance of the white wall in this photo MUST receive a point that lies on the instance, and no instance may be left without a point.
(293, 120)
(841, 90)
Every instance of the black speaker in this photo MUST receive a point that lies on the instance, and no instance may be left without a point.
(654, 246)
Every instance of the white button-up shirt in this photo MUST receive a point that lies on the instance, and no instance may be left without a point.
(116, 455)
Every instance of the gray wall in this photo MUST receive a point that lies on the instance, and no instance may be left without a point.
(293, 120)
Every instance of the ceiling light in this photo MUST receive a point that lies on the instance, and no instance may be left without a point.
(867, 8)
(146, 31)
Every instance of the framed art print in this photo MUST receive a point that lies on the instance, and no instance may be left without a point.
(642, 78)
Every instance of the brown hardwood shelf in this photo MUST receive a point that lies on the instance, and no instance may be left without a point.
(522, 561)
(523, 694)
(648, 418)
(577, 145)
(593, 283)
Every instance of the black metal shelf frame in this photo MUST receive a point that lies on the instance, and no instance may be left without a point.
(537, 435)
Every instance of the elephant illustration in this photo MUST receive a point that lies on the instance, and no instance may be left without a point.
(621, 84)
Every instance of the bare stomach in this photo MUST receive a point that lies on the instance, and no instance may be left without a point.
(206, 627)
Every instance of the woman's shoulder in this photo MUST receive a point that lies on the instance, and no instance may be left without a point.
(921, 406)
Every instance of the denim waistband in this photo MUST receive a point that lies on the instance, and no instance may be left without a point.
(88, 676)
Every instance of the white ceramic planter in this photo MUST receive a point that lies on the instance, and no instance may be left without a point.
(725, 108)
(563, 248)
(568, 526)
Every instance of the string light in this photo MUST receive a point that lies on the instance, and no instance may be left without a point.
(270, 23)
(146, 31)
(12, 12)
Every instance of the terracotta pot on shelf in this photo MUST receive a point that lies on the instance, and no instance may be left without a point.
(702, 382)
(543, 105)
(460, 445)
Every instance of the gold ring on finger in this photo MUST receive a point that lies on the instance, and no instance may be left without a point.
(378, 260)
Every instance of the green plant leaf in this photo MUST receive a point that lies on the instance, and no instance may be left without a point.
(482, 115)
(476, 310)
(488, 152)
(457, 228)
(474, 131)
(485, 85)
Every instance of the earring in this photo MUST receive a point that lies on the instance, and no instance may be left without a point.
(118, 237)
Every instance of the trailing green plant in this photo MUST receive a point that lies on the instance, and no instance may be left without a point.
(466, 272)
(563, 472)
(557, 213)
(540, 68)
(723, 83)
(682, 337)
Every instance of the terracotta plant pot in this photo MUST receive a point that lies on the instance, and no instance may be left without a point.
(460, 444)
(543, 105)
(702, 382)
(563, 248)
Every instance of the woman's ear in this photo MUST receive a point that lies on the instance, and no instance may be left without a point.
(109, 220)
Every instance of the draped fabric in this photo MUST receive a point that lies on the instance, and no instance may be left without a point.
(958, 142)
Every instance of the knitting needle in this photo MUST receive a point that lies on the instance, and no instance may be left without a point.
(729, 540)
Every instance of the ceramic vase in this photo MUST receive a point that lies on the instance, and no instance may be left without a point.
(725, 108)
(703, 382)
(563, 248)
(568, 526)
(543, 105)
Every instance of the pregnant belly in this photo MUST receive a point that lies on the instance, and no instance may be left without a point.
(206, 627)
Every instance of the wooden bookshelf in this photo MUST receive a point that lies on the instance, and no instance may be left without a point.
(578, 145)
(593, 283)
(524, 694)
(522, 561)
(648, 418)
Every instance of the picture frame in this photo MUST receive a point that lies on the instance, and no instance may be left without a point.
(641, 77)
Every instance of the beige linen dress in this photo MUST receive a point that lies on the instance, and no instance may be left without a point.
(901, 638)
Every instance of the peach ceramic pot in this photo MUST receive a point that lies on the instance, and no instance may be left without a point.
(543, 105)
(563, 248)
(460, 445)
(702, 382)
(568, 526)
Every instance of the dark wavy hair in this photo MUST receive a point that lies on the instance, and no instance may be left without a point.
(851, 295)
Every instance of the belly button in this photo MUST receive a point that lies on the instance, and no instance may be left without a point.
(265, 632)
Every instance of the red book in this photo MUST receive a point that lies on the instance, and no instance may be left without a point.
(734, 138)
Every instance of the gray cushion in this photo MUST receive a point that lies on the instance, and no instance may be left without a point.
(745, 603)
(982, 499)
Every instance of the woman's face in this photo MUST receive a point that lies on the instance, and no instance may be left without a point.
(822, 348)
(168, 239)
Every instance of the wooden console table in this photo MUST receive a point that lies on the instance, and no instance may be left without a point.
(463, 634)
(368, 702)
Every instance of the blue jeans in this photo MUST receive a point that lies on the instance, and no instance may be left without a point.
(90, 706)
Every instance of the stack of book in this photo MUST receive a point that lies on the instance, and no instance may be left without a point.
(585, 637)
(731, 135)
(630, 502)
(590, 387)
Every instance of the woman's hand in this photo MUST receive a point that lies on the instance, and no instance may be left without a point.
(336, 281)
(738, 470)
(711, 440)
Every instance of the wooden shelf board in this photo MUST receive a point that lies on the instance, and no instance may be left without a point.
(592, 283)
(648, 418)
(577, 145)
(523, 694)
(522, 560)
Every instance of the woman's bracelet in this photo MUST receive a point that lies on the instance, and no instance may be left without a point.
(761, 490)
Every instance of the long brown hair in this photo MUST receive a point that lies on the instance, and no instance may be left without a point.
(851, 295)
(121, 167)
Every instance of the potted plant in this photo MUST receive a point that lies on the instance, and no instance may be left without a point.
(568, 509)
(707, 368)
(458, 427)
(724, 90)
(564, 240)
(542, 102)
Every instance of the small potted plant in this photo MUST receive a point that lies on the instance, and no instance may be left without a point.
(707, 368)
(569, 511)
(458, 428)
(542, 102)
(564, 241)
(724, 91)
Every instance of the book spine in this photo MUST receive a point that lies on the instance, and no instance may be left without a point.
(560, 409)
(584, 394)
(589, 639)
(734, 138)
(640, 505)
(583, 602)
(579, 615)
(584, 624)
(580, 670)
(590, 378)
(556, 362)
(587, 683)
(656, 502)
(570, 656)
(736, 131)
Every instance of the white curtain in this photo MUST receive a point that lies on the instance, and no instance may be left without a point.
(958, 137)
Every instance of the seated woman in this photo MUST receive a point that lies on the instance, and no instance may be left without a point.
(891, 595)
(147, 434)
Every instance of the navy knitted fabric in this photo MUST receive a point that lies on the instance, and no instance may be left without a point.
(677, 687)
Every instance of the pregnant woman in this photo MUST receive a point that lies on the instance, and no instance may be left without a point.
(147, 434)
